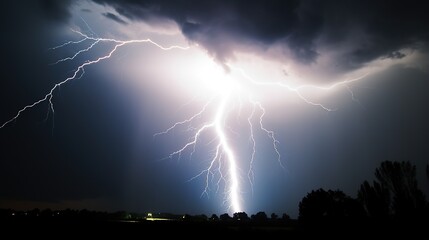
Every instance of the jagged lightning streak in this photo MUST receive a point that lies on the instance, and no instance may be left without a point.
(223, 148)
(217, 125)
(251, 174)
(233, 178)
(80, 70)
(224, 155)
(297, 89)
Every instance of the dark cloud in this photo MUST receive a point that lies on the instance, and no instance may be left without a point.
(395, 55)
(56, 10)
(115, 18)
(361, 30)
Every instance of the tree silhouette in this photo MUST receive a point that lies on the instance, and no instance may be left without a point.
(399, 178)
(274, 216)
(240, 216)
(214, 217)
(285, 217)
(225, 217)
(260, 216)
(328, 204)
(375, 199)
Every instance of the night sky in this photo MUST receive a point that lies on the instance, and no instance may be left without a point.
(98, 150)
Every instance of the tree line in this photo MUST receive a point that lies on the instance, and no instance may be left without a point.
(394, 194)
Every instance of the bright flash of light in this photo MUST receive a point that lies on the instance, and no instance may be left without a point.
(232, 91)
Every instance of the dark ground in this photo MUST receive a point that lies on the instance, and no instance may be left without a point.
(81, 228)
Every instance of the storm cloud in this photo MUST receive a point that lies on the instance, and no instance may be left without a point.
(359, 31)
(114, 17)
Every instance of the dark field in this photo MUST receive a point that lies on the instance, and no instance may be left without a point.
(159, 229)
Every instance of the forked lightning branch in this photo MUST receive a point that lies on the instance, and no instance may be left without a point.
(223, 159)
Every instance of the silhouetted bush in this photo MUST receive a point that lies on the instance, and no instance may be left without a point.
(274, 216)
(285, 217)
(214, 217)
(225, 217)
(328, 204)
(240, 216)
(260, 216)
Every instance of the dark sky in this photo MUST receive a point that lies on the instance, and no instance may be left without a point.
(98, 151)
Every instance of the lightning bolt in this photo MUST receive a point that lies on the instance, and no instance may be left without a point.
(218, 127)
(223, 164)
(80, 70)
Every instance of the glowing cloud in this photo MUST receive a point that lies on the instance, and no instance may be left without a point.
(231, 91)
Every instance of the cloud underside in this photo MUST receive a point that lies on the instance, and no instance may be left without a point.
(342, 35)
(357, 31)
(114, 17)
